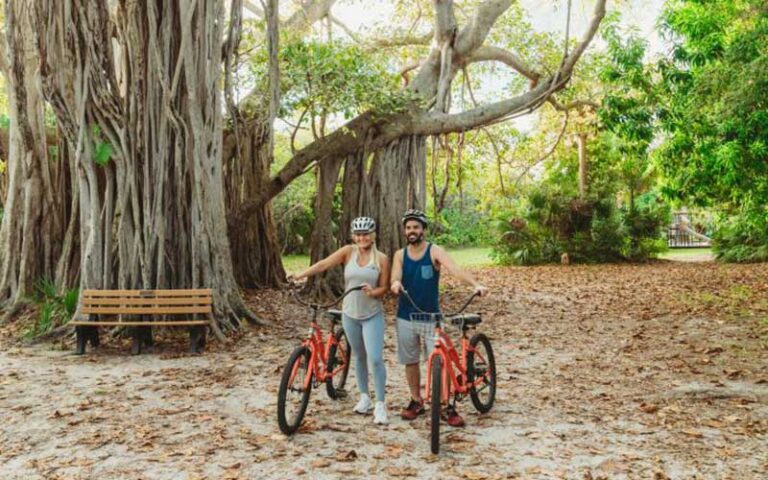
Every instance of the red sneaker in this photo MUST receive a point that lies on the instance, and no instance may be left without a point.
(413, 410)
(453, 418)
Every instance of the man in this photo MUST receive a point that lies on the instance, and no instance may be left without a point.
(417, 269)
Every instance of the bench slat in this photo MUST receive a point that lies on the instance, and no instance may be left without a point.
(144, 293)
(139, 310)
(135, 323)
(148, 301)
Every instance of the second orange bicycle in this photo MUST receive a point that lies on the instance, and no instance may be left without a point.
(450, 375)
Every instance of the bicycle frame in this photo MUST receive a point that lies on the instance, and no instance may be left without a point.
(452, 361)
(319, 350)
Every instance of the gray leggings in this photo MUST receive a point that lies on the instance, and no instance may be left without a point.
(367, 340)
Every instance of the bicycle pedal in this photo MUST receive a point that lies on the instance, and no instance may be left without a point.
(342, 393)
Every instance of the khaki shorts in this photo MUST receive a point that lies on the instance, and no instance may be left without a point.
(413, 339)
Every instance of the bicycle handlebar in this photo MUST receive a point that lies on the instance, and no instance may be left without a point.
(458, 312)
(319, 306)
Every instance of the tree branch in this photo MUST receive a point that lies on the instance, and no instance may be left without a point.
(436, 122)
(548, 153)
(406, 69)
(474, 34)
(345, 28)
(574, 105)
(496, 54)
(253, 8)
(445, 20)
(308, 14)
(401, 41)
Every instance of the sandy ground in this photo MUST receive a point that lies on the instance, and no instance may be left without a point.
(612, 372)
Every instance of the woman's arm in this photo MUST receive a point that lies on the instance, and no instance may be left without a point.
(339, 257)
(383, 286)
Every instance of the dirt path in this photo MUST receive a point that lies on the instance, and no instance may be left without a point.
(648, 372)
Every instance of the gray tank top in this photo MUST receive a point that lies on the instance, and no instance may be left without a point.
(358, 305)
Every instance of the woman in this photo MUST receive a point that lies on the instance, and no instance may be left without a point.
(363, 313)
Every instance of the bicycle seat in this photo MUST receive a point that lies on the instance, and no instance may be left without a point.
(333, 315)
(466, 319)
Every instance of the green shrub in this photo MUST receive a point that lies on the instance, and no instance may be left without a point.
(466, 226)
(592, 230)
(742, 237)
(56, 308)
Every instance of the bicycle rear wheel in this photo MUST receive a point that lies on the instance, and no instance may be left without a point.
(338, 359)
(293, 397)
(481, 364)
(437, 393)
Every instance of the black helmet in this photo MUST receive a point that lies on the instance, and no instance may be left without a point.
(413, 214)
(363, 225)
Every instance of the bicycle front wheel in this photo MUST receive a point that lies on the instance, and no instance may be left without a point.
(338, 366)
(481, 364)
(436, 377)
(293, 395)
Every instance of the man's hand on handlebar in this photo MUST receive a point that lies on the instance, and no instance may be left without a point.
(396, 287)
(481, 290)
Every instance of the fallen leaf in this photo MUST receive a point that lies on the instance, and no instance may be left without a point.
(401, 472)
(321, 463)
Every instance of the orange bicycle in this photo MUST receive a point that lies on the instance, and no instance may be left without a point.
(314, 362)
(450, 376)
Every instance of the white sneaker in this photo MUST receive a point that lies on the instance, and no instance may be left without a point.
(364, 405)
(380, 414)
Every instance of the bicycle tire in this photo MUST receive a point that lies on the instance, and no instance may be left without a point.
(286, 426)
(334, 391)
(437, 393)
(472, 370)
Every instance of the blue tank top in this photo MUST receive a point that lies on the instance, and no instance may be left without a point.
(421, 280)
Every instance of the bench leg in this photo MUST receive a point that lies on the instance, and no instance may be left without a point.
(82, 338)
(197, 339)
(93, 336)
(142, 337)
(136, 343)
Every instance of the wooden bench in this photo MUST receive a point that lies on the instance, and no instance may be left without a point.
(135, 308)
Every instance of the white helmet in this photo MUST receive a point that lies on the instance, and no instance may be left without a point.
(363, 225)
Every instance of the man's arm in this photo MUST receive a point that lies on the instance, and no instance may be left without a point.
(444, 260)
(397, 272)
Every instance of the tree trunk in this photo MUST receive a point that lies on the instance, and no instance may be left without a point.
(247, 161)
(355, 196)
(35, 207)
(254, 243)
(147, 91)
(322, 241)
(397, 182)
(582, 141)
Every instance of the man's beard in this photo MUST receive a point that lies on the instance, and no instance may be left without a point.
(415, 240)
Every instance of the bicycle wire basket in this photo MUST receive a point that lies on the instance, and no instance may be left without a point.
(423, 325)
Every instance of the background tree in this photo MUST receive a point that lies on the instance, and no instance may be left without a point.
(715, 119)
(37, 206)
(152, 210)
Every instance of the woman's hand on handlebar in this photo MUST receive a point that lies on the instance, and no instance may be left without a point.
(294, 281)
